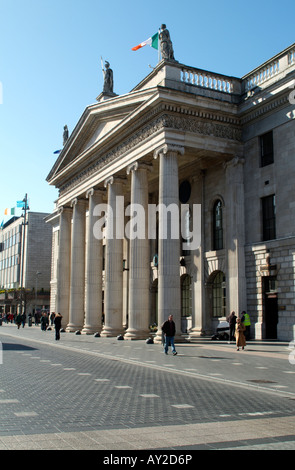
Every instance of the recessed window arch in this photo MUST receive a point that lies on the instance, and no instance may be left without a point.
(217, 217)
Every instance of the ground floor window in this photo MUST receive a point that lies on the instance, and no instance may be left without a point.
(219, 295)
(186, 296)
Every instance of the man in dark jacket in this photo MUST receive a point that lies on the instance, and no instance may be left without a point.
(168, 329)
(57, 323)
(232, 319)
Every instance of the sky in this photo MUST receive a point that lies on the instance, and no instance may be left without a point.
(50, 66)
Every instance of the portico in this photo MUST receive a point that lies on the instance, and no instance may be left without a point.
(174, 141)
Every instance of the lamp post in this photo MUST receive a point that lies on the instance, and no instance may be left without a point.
(25, 209)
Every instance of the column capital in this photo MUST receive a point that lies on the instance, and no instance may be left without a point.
(64, 209)
(168, 148)
(92, 191)
(76, 200)
(139, 166)
(113, 179)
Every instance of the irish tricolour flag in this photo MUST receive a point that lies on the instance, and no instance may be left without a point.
(153, 42)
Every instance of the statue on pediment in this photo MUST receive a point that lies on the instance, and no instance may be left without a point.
(65, 135)
(166, 44)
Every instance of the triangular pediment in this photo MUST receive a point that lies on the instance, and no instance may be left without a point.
(96, 123)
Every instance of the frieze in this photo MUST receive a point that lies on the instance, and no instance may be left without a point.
(185, 123)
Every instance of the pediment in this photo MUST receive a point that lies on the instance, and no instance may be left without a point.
(95, 124)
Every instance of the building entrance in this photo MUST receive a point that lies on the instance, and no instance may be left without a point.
(270, 307)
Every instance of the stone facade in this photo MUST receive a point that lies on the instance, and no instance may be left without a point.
(21, 259)
(220, 147)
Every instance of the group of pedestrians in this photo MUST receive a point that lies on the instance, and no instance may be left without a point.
(239, 329)
(55, 319)
(20, 319)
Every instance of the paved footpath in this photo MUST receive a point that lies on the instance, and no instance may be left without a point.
(246, 398)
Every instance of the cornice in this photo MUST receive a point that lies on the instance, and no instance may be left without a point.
(261, 109)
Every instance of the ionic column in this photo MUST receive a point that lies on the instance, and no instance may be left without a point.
(113, 299)
(139, 270)
(199, 317)
(235, 236)
(64, 265)
(77, 289)
(93, 270)
(169, 294)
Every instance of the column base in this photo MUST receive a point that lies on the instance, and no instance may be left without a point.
(158, 339)
(90, 330)
(109, 332)
(71, 328)
(132, 334)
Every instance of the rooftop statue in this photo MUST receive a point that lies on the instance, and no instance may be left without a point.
(108, 83)
(166, 44)
(65, 134)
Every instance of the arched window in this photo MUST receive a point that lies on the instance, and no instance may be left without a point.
(217, 226)
(219, 295)
(186, 296)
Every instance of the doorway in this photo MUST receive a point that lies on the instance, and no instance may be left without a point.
(270, 298)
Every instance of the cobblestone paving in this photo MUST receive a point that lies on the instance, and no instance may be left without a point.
(47, 389)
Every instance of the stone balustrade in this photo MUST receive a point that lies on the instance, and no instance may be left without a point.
(205, 79)
(262, 74)
(276, 66)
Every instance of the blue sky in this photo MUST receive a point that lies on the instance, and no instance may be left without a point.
(50, 66)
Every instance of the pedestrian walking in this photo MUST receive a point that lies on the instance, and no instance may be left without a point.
(232, 320)
(169, 330)
(52, 317)
(240, 337)
(23, 319)
(57, 324)
(44, 321)
(18, 320)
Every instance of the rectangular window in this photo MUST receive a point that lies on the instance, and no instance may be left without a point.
(266, 149)
(268, 218)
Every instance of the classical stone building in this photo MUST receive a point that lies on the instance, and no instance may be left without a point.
(220, 148)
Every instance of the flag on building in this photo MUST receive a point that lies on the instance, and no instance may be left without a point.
(152, 41)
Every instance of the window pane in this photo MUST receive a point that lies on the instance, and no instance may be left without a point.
(266, 145)
(186, 297)
(268, 218)
(217, 226)
(219, 295)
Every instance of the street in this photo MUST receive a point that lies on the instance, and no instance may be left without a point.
(104, 394)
